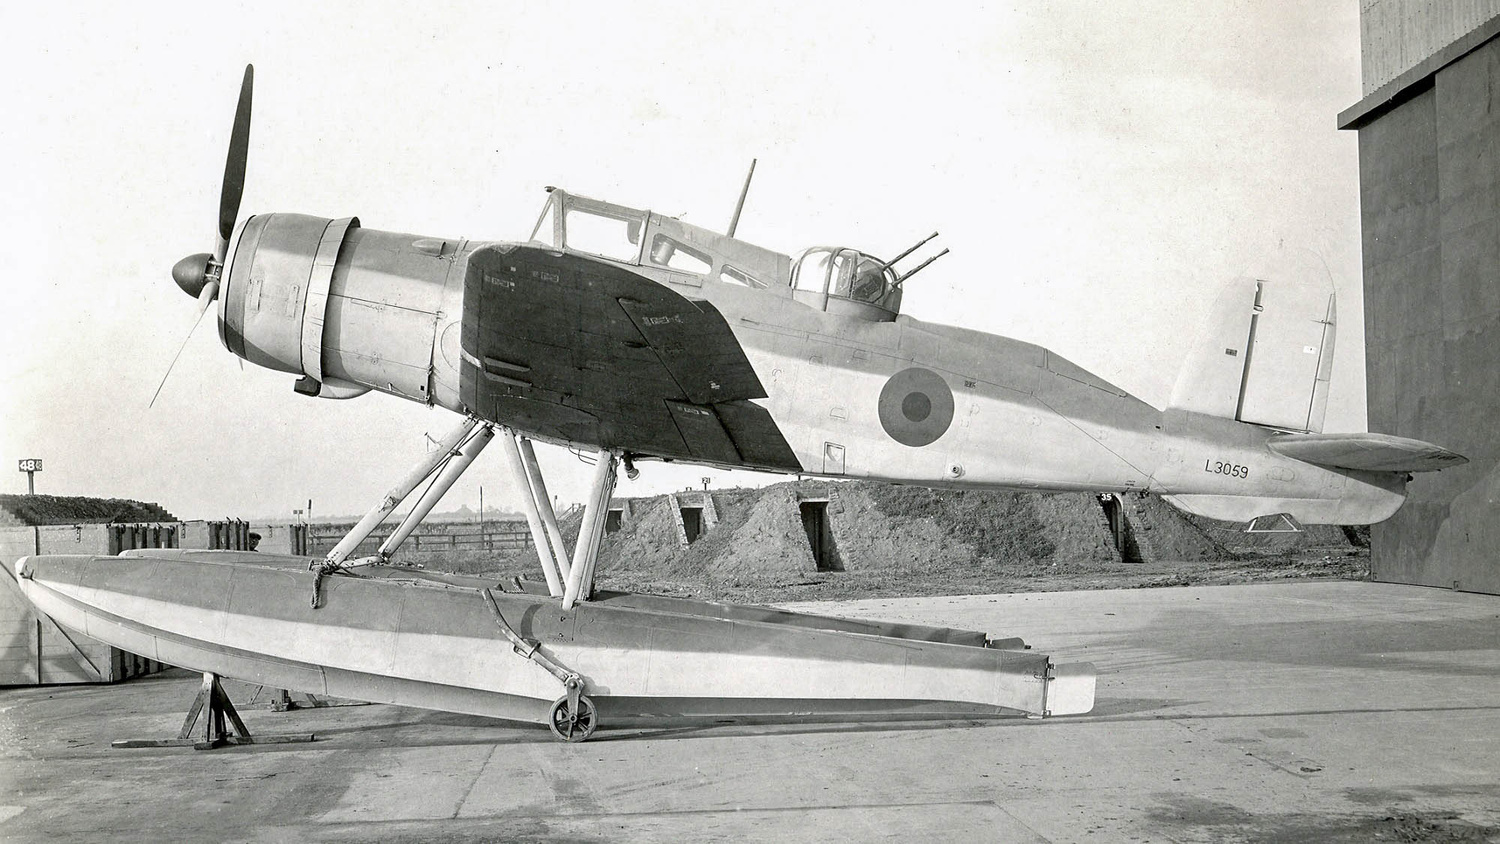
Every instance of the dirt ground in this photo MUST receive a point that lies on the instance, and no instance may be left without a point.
(1056, 577)
(76, 509)
(896, 541)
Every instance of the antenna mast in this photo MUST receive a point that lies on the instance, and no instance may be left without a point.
(734, 221)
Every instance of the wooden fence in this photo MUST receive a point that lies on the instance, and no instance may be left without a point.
(429, 538)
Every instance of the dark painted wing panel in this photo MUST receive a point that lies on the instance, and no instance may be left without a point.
(702, 432)
(567, 347)
(755, 434)
(688, 336)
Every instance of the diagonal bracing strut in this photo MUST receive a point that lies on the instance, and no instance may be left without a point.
(571, 580)
(448, 448)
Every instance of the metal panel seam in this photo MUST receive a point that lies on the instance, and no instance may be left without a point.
(318, 284)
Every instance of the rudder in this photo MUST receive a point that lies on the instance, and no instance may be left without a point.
(1264, 357)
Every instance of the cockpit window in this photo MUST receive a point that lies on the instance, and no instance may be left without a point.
(737, 276)
(841, 274)
(812, 270)
(674, 254)
(606, 235)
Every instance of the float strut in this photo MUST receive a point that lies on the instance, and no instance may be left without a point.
(440, 486)
(533, 515)
(586, 553)
(447, 448)
(544, 504)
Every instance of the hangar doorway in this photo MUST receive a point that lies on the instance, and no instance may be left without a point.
(820, 536)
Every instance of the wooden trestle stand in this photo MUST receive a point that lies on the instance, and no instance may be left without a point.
(221, 724)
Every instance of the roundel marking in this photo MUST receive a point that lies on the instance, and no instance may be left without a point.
(916, 406)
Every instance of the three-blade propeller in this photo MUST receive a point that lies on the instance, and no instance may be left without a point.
(199, 275)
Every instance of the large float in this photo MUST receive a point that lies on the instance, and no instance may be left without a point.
(462, 644)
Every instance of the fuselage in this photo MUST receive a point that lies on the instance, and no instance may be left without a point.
(854, 392)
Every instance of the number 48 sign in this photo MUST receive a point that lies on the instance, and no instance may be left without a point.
(31, 466)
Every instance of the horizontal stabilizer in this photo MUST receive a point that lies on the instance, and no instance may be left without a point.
(1366, 452)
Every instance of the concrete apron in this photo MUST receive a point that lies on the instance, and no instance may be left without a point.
(1302, 711)
(396, 636)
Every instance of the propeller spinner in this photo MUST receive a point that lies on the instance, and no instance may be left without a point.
(198, 275)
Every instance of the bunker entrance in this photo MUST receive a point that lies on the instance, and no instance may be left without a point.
(1114, 518)
(692, 523)
(820, 536)
(613, 519)
(1120, 534)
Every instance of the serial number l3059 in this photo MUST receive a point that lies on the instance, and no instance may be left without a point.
(1233, 470)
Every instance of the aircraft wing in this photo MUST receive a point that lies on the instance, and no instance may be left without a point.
(566, 347)
(1366, 452)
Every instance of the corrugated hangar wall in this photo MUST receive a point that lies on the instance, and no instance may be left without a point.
(1429, 157)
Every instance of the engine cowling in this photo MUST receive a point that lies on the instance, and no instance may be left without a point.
(349, 309)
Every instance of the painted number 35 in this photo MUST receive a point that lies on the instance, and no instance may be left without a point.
(1233, 470)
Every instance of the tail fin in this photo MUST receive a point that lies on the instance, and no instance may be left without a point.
(1264, 357)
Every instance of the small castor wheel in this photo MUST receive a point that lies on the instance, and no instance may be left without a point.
(569, 725)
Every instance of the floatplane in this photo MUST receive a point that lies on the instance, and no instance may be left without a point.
(634, 336)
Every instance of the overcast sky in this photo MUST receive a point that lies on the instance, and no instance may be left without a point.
(1098, 169)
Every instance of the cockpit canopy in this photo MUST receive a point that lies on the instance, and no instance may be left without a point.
(832, 279)
(844, 275)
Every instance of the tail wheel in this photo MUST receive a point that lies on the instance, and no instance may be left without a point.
(569, 724)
